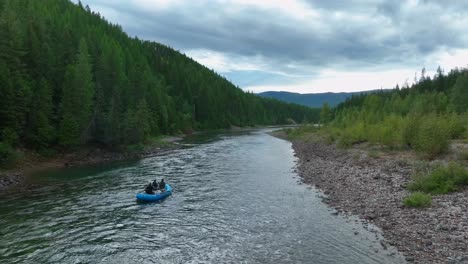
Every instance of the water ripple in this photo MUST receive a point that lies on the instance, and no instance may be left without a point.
(235, 200)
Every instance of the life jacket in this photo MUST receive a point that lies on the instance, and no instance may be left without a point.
(149, 189)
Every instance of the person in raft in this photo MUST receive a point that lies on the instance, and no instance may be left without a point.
(162, 185)
(149, 189)
(155, 185)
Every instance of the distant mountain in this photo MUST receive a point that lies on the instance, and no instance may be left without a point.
(315, 100)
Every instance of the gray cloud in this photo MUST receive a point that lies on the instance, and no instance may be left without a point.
(360, 34)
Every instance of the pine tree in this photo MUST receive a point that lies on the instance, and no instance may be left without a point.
(77, 101)
(459, 94)
(325, 114)
(40, 132)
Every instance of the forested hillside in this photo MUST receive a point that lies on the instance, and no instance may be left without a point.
(423, 117)
(68, 78)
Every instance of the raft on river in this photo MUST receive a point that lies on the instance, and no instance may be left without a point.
(154, 197)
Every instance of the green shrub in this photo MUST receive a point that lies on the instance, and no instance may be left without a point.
(432, 137)
(455, 125)
(300, 131)
(409, 130)
(329, 133)
(8, 156)
(329, 138)
(288, 130)
(418, 200)
(344, 141)
(387, 132)
(443, 179)
(307, 128)
(353, 134)
(8, 136)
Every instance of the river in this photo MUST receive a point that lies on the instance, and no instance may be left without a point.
(236, 199)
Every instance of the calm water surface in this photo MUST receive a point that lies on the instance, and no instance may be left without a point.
(236, 200)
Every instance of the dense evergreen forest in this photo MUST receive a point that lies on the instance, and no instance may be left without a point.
(69, 78)
(423, 117)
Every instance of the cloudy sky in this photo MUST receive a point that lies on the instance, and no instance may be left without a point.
(305, 46)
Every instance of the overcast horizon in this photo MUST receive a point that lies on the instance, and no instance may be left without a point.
(305, 46)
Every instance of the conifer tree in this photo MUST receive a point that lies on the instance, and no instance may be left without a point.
(77, 100)
(459, 94)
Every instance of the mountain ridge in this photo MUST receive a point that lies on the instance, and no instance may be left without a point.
(314, 100)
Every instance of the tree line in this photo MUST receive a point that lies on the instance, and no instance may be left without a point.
(422, 117)
(68, 78)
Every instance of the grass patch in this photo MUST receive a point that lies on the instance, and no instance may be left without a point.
(441, 180)
(373, 154)
(301, 131)
(418, 200)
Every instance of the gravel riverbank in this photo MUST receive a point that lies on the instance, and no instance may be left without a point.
(373, 188)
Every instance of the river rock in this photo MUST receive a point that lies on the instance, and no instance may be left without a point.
(373, 189)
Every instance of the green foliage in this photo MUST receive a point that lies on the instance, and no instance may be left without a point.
(432, 137)
(68, 78)
(456, 125)
(158, 141)
(40, 132)
(418, 200)
(329, 133)
(353, 134)
(77, 100)
(134, 147)
(326, 114)
(8, 136)
(423, 117)
(301, 131)
(441, 180)
(459, 94)
(8, 156)
(409, 129)
(387, 132)
(137, 124)
(430, 134)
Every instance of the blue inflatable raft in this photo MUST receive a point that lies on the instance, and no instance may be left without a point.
(154, 197)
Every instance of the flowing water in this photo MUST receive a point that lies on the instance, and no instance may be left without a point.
(236, 199)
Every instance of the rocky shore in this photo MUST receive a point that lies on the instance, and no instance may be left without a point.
(89, 156)
(373, 189)
(8, 179)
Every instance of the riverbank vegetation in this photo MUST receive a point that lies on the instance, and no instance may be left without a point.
(441, 179)
(418, 200)
(69, 78)
(423, 117)
(428, 118)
